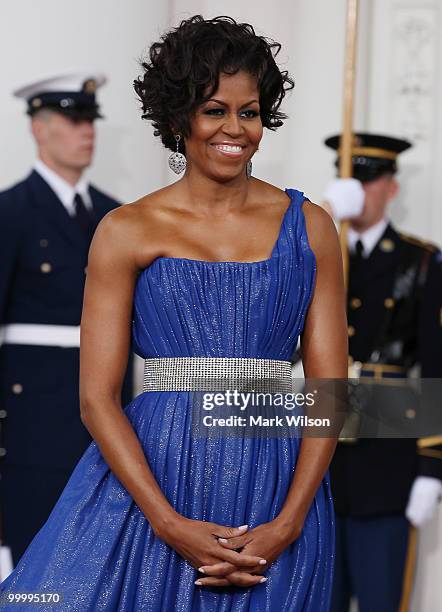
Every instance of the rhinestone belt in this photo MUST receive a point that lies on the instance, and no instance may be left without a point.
(217, 373)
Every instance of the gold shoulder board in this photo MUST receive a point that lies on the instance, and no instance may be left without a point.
(418, 242)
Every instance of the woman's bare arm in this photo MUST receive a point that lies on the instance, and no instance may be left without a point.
(105, 342)
(324, 346)
(105, 339)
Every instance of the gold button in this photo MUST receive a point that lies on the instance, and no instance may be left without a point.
(388, 302)
(410, 413)
(3, 414)
(355, 303)
(45, 267)
(351, 330)
(387, 245)
(17, 388)
(44, 242)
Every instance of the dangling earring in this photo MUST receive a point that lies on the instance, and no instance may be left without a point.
(249, 169)
(177, 161)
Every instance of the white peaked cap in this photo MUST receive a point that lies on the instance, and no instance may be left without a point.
(72, 82)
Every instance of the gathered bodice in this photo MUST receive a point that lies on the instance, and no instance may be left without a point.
(194, 308)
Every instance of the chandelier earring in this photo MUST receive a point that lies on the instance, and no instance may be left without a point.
(177, 161)
(249, 167)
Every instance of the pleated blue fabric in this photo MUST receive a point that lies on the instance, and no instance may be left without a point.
(96, 549)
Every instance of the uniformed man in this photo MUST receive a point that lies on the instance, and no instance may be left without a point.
(381, 486)
(46, 224)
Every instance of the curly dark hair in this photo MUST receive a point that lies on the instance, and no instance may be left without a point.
(183, 71)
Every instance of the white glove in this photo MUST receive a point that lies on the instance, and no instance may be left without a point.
(6, 565)
(423, 500)
(346, 198)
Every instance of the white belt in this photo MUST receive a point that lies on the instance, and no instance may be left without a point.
(40, 335)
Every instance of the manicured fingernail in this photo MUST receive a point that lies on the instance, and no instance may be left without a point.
(243, 527)
(198, 582)
(263, 579)
(223, 540)
(202, 570)
(262, 562)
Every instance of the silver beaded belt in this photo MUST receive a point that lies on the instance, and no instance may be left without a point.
(217, 373)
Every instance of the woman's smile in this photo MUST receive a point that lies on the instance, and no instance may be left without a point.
(229, 149)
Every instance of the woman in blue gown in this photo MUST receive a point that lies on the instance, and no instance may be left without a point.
(217, 265)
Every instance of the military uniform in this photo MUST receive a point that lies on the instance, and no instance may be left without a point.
(387, 337)
(394, 322)
(43, 250)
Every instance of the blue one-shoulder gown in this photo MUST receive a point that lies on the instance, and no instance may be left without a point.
(97, 550)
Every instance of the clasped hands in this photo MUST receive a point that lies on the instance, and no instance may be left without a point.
(229, 555)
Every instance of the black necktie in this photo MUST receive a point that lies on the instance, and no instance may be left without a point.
(359, 249)
(84, 218)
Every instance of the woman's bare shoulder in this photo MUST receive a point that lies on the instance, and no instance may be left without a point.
(134, 230)
(134, 217)
(267, 192)
(270, 200)
(321, 230)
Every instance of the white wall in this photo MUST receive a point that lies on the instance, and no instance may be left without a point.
(405, 99)
(46, 37)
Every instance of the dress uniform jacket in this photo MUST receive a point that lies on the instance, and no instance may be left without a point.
(394, 316)
(43, 254)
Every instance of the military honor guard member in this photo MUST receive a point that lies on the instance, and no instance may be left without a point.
(381, 487)
(46, 225)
